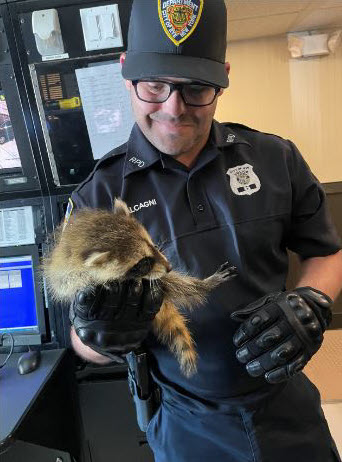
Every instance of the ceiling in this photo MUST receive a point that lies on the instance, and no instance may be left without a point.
(261, 18)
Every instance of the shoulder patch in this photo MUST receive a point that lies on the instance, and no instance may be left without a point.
(68, 212)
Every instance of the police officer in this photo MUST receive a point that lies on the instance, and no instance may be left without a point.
(208, 193)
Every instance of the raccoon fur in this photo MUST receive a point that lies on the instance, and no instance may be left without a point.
(100, 246)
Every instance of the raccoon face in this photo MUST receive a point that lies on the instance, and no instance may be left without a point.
(148, 267)
(103, 266)
(126, 253)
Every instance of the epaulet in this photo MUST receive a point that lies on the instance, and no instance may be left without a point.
(107, 158)
(113, 153)
(237, 126)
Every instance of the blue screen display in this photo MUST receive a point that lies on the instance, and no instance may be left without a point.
(17, 295)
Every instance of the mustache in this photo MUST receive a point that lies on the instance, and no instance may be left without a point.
(160, 117)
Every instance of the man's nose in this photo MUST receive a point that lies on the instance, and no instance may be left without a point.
(174, 105)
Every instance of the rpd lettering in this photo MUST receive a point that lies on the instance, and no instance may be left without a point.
(138, 162)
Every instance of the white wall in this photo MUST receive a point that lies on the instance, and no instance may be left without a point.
(299, 99)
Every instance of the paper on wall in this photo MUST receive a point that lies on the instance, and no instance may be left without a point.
(106, 105)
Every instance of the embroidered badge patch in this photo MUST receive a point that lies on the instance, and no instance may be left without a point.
(179, 18)
(243, 180)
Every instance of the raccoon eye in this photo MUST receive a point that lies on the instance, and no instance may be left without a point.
(142, 268)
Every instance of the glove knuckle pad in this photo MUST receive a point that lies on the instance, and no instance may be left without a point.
(285, 351)
(104, 339)
(305, 313)
(257, 322)
(270, 337)
(86, 335)
(267, 340)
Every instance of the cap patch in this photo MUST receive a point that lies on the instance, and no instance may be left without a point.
(179, 18)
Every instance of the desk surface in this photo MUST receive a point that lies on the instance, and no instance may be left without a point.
(19, 392)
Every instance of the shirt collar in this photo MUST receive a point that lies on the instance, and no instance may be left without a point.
(141, 154)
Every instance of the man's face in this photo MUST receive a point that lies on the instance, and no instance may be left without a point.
(173, 127)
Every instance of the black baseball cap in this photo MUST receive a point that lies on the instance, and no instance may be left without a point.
(177, 38)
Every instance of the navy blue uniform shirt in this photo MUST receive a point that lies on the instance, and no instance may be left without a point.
(248, 198)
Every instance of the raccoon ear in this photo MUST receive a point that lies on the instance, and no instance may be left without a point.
(120, 207)
(96, 258)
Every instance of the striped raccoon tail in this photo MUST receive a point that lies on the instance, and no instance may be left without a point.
(170, 328)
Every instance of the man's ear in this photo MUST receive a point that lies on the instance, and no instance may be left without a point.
(227, 67)
(122, 58)
(128, 83)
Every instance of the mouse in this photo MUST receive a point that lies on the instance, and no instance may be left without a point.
(29, 362)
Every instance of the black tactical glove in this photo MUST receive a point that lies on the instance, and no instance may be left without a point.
(114, 320)
(281, 331)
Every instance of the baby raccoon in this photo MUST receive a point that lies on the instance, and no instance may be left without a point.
(100, 246)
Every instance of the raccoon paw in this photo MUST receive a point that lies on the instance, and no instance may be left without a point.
(226, 272)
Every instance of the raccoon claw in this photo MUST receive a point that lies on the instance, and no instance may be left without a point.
(227, 271)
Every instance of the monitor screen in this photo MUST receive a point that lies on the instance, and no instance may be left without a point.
(18, 311)
(9, 155)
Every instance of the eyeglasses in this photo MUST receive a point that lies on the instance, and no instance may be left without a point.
(158, 91)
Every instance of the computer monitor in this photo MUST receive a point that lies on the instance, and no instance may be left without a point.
(21, 301)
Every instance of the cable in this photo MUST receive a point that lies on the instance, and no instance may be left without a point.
(11, 350)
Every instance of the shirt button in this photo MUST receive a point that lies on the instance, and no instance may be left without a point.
(200, 207)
